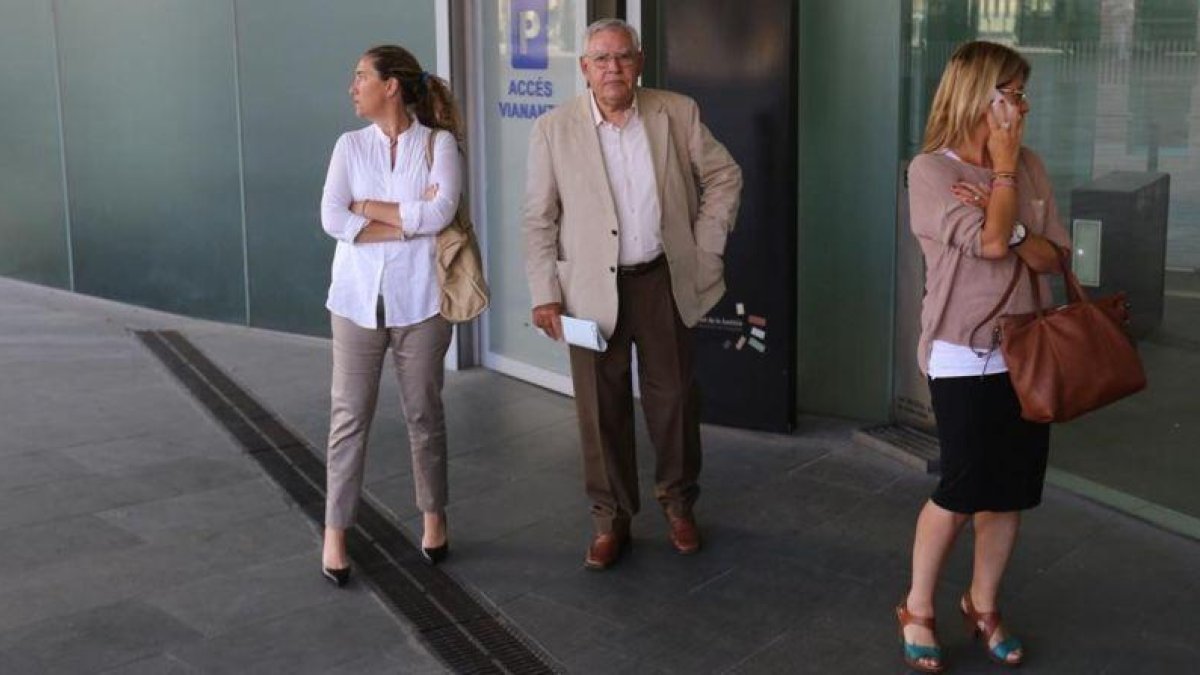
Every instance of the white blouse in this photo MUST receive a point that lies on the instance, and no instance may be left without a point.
(399, 272)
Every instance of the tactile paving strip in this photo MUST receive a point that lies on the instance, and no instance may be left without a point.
(457, 628)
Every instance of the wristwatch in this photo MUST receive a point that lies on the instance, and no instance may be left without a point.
(1018, 234)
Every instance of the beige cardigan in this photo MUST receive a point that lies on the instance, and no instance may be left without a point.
(960, 286)
(570, 221)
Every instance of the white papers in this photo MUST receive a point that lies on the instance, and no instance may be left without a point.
(583, 333)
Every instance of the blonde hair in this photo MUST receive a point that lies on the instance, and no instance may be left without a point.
(974, 72)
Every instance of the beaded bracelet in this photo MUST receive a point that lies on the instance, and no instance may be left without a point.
(1003, 181)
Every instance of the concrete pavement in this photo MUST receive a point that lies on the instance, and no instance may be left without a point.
(137, 536)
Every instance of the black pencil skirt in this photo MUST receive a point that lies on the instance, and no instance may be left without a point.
(992, 460)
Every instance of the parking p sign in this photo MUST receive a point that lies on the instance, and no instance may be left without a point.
(529, 41)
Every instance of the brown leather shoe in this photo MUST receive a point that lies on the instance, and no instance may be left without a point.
(685, 536)
(606, 549)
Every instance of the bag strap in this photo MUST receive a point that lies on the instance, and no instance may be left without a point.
(429, 149)
(1012, 285)
(461, 221)
(1075, 292)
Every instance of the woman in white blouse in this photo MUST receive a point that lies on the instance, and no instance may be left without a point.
(384, 202)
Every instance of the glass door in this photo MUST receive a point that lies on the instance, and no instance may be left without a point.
(523, 60)
(525, 63)
(1115, 115)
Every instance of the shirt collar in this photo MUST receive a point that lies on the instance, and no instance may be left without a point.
(598, 118)
(413, 124)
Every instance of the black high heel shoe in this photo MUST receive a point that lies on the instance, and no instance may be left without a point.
(337, 577)
(435, 555)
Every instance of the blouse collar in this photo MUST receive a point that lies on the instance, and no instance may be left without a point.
(414, 123)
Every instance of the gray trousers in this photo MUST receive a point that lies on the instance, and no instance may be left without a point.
(358, 353)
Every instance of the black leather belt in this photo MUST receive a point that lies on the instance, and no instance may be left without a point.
(641, 268)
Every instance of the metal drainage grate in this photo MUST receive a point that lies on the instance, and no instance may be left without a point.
(906, 444)
(457, 628)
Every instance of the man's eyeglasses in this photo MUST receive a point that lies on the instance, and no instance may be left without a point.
(1016, 95)
(603, 59)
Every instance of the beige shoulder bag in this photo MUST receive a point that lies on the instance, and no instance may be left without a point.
(459, 263)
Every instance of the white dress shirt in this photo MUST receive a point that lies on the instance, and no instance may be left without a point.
(630, 169)
(399, 272)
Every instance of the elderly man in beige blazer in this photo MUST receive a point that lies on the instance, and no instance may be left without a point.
(628, 203)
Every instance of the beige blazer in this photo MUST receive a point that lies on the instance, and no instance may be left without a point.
(570, 220)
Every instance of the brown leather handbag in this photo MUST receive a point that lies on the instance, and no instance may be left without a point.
(458, 263)
(1071, 359)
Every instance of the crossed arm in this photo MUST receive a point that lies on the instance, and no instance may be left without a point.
(384, 221)
(977, 219)
(364, 221)
(1000, 209)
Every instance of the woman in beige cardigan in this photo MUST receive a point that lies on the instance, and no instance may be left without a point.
(980, 204)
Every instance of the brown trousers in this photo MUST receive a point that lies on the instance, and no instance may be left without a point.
(358, 354)
(603, 382)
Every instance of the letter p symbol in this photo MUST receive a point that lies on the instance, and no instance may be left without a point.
(528, 42)
(531, 27)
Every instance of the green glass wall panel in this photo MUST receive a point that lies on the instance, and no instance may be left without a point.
(295, 59)
(150, 126)
(849, 156)
(33, 241)
(1115, 86)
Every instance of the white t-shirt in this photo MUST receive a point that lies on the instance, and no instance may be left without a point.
(951, 360)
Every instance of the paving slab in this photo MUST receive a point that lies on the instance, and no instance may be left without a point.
(135, 535)
(138, 510)
(95, 639)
